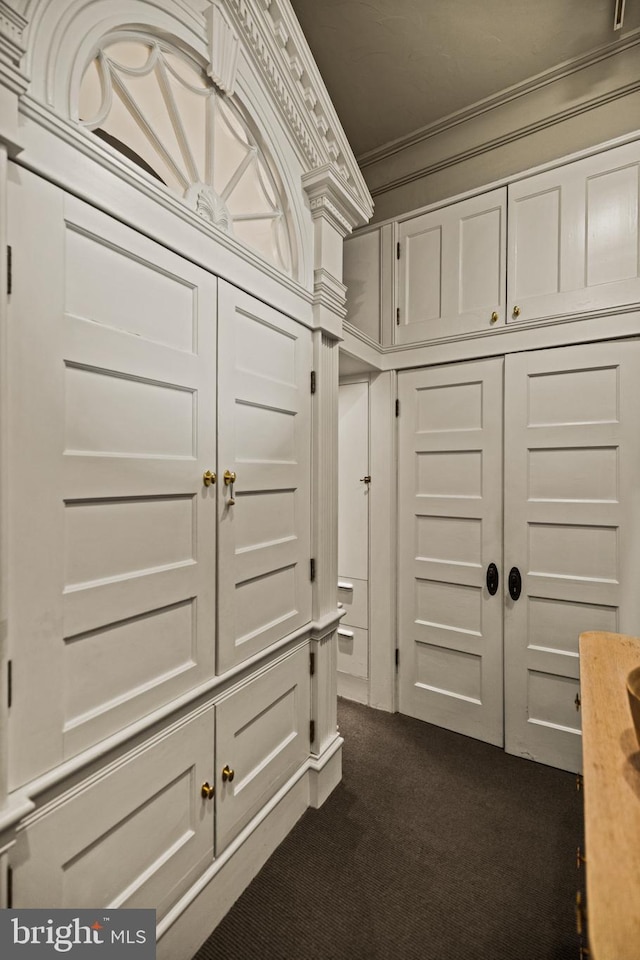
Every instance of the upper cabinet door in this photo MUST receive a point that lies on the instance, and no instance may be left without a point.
(451, 278)
(362, 277)
(112, 542)
(264, 441)
(573, 237)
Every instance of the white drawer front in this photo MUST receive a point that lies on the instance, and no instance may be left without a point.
(262, 734)
(354, 597)
(137, 836)
(353, 651)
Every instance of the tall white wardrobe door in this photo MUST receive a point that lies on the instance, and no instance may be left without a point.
(450, 531)
(112, 540)
(264, 440)
(571, 528)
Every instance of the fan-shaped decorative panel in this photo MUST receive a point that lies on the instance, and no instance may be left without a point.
(162, 111)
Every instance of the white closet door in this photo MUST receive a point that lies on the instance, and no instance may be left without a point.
(113, 534)
(573, 236)
(571, 528)
(451, 274)
(264, 436)
(450, 530)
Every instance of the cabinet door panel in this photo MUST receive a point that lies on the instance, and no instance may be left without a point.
(137, 835)
(573, 237)
(450, 530)
(113, 535)
(264, 438)
(452, 269)
(571, 515)
(361, 275)
(262, 734)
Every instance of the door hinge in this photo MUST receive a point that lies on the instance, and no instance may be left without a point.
(397, 408)
(9, 270)
(312, 663)
(9, 683)
(398, 250)
(313, 381)
(9, 887)
(312, 730)
(397, 316)
(312, 569)
(578, 701)
(397, 658)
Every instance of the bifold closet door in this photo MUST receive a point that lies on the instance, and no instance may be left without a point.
(112, 540)
(572, 525)
(450, 532)
(264, 440)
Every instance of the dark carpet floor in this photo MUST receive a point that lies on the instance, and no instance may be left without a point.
(433, 847)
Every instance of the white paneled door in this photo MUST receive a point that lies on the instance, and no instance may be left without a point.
(571, 545)
(112, 358)
(450, 531)
(264, 442)
(572, 524)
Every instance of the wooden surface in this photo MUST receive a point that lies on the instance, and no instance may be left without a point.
(611, 796)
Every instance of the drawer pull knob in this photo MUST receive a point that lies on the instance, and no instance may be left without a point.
(516, 311)
(207, 791)
(208, 478)
(494, 317)
(228, 774)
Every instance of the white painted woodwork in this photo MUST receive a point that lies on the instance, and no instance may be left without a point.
(573, 236)
(262, 734)
(362, 276)
(353, 528)
(572, 461)
(264, 402)
(354, 596)
(136, 834)
(451, 272)
(113, 534)
(353, 651)
(353, 492)
(450, 530)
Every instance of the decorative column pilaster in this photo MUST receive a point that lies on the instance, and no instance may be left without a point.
(335, 211)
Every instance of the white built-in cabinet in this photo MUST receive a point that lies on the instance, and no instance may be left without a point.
(563, 242)
(511, 320)
(136, 576)
(451, 269)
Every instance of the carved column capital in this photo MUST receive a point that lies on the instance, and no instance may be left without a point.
(331, 198)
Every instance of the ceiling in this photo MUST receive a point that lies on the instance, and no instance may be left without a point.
(394, 66)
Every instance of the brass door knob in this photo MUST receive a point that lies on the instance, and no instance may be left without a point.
(229, 477)
(494, 317)
(228, 773)
(516, 311)
(208, 478)
(207, 791)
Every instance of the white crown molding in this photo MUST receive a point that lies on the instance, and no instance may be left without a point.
(12, 48)
(510, 94)
(273, 34)
(330, 197)
(513, 135)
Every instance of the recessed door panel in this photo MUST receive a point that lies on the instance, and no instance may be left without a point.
(450, 530)
(264, 405)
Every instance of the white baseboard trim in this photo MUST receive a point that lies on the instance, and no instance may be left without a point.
(353, 688)
(188, 924)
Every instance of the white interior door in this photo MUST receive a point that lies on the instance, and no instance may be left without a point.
(112, 538)
(353, 527)
(572, 514)
(450, 530)
(264, 438)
